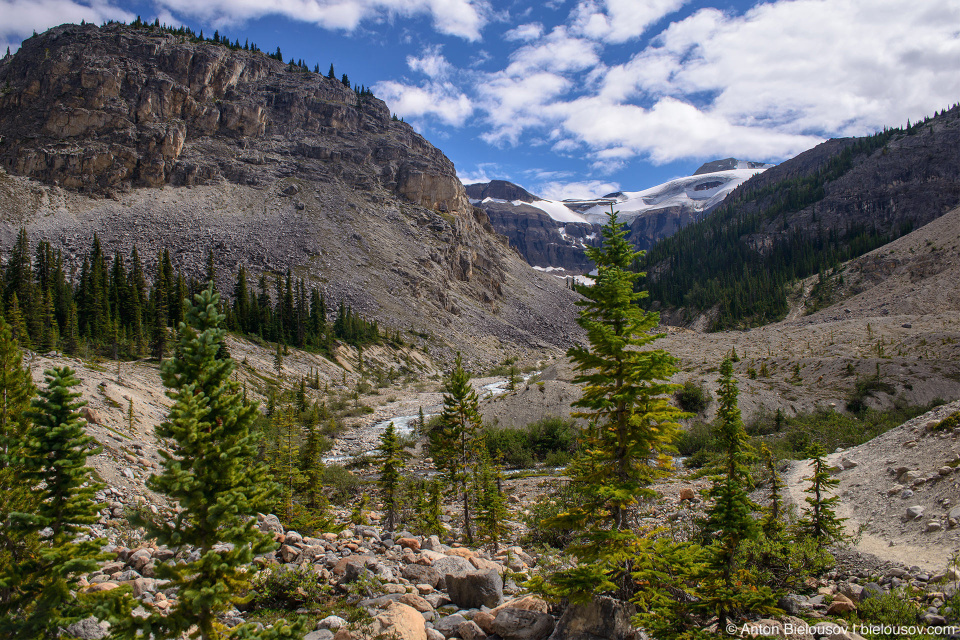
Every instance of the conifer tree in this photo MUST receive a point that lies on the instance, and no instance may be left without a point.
(16, 390)
(491, 503)
(18, 327)
(625, 399)
(453, 439)
(772, 524)
(820, 521)
(212, 471)
(726, 587)
(286, 459)
(390, 461)
(430, 507)
(54, 453)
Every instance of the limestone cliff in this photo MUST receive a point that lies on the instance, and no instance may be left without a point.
(157, 140)
(99, 109)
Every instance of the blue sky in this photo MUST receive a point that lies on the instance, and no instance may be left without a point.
(572, 98)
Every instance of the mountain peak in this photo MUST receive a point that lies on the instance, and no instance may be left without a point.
(729, 163)
(499, 190)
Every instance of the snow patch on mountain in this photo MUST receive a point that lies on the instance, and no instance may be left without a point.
(697, 192)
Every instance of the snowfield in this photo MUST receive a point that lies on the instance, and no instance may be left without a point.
(691, 192)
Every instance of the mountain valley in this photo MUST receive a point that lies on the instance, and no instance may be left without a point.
(828, 281)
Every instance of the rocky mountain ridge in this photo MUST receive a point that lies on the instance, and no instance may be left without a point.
(554, 234)
(148, 138)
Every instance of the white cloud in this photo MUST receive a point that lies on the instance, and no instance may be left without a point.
(763, 85)
(576, 190)
(525, 32)
(432, 63)
(462, 18)
(22, 17)
(439, 99)
(558, 52)
(620, 20)
(842, 67)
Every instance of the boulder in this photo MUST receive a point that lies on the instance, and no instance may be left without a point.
(469, 630)
(841, 604)
(527, 603)
(604, 618)
(419, 574)
(269, 524)
(91, 416)
(432, 544)
(520, 624)
(915, 512)
(485, 620)
(289, 553)
(88, 629)
(416, 602)
(331, 622)
(790, 603)
(453, 566)
(322, 634)
(449, 626)
(475, 590)
(409, 543)
(400, 622)
(687, 494)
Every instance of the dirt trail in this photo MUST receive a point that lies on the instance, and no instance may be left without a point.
(875, 502)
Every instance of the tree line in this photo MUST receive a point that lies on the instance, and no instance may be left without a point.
(712, 263)
(115, 307)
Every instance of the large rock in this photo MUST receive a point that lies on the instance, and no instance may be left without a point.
(520, 624)
(419, 574)
(400, 622)
(88, 629)
(475, 590)
(449, 626)
(452, 566)
(604, 618)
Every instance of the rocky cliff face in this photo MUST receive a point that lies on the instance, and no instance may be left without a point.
(154, 140)
(106, 109)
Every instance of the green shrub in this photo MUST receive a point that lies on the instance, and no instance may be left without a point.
(892, 609)
(553, 439)
(561, 498)
(693, 398)
(285, 587)
(340, 486)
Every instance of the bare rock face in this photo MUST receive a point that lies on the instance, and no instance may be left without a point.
(99, 109)
(154, 140)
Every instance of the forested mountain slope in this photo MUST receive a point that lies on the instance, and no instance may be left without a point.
(832, 203)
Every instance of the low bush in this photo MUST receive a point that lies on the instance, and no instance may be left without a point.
(551, 440)
(693, 398)
(286, 587)
(561, 498)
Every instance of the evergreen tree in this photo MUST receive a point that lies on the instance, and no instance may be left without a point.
(625, 400)
(453, 439)
(390, 461)
(18, 327)
(212, 471)
(726, 587)
(772, 524)
(491, 503)
(161, 286)
(16, 390)
(54, 452)
(286, 459)
(331, 74)
(820, 521)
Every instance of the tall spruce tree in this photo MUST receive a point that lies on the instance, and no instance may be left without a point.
(491, 502)
(391, 460)
(212, 471)
(727, 588)
(626, 401)
(54, 453)
(16, 390)
(453, 438)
